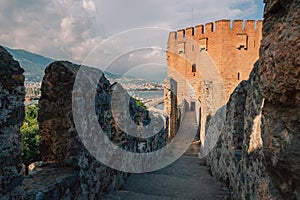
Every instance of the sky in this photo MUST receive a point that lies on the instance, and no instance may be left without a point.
(122, 36)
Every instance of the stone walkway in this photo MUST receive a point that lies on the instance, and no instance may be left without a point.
(186, 179)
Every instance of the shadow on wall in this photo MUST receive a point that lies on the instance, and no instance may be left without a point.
(245, 171)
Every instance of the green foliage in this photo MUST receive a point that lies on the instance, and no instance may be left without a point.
(139, 103)
(30, 136)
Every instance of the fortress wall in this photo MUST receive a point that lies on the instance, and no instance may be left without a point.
(223, 51)
(233, 46)
(237, 157)
(279, 72)
(182, 73)
(259, 143)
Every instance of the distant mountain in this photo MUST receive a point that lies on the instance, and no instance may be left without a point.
(34, 66)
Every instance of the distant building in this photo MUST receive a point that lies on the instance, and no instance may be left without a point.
(33, 90)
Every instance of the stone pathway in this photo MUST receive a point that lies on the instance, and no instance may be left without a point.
(186, 179)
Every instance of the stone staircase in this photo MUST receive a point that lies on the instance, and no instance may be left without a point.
(186, 179)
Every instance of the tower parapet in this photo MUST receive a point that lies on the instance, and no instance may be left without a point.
(218, 27)
(232, 45)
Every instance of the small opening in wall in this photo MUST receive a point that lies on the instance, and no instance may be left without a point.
(238, 76)
(194, 68)
(241, 47)
(181, 48)
(193, 47)
(193, 106)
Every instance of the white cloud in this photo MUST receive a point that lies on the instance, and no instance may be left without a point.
(54, 28)
(156, 51)
(89, 5)
(70, 29)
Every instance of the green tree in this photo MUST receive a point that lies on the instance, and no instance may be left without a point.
(30, 136)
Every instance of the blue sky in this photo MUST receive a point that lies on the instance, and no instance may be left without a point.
(71, 29)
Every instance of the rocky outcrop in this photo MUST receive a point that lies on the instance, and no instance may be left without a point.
(12, 94)
(279, 73)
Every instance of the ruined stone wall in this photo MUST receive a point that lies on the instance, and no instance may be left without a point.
(12, 94)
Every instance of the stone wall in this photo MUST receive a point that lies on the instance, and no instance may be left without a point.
(60, 142)
(237, 159)
(170, 106)
(279, 73)
(68, 170)
(258, 154)
(61, 146)
(12, 94)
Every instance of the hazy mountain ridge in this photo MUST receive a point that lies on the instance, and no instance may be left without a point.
(34, 66)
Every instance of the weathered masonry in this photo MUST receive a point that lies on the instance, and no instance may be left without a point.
(212, 59)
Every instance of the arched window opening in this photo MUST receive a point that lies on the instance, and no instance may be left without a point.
(194, 68)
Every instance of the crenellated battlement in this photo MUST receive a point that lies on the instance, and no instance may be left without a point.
(233, 47)
(220, 26)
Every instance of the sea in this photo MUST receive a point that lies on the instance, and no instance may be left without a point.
(146, 95)
(142, 95)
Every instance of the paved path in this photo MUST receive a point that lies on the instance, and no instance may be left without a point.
(186, 179)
